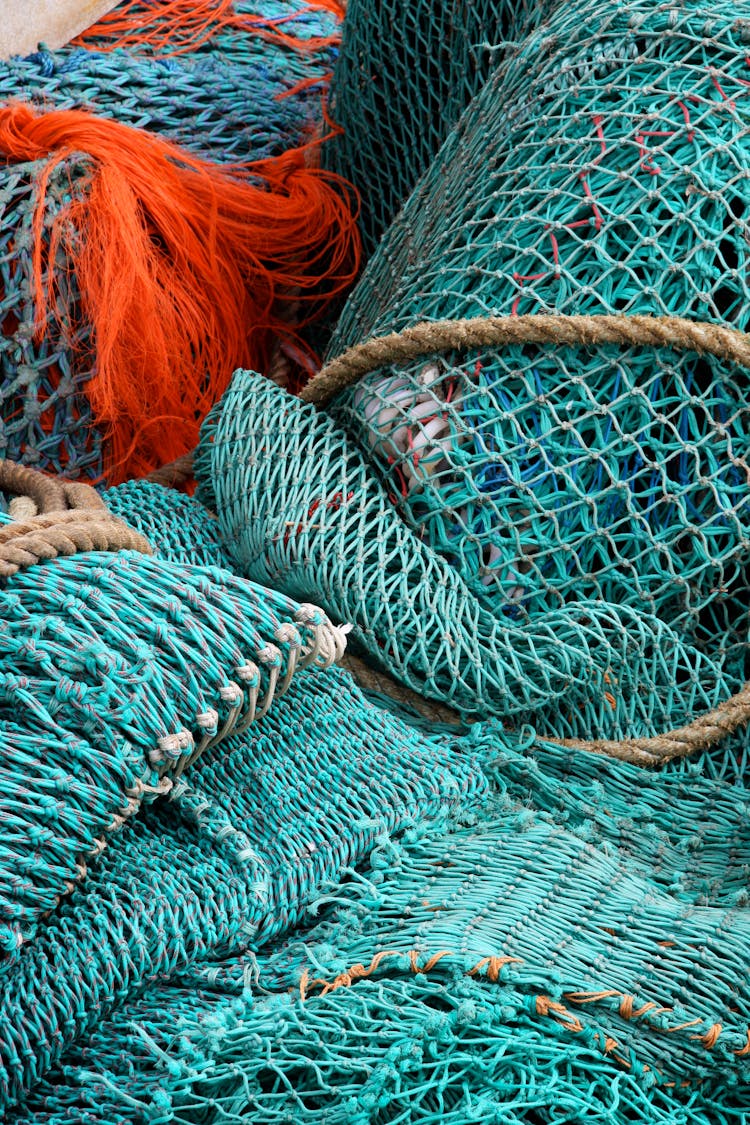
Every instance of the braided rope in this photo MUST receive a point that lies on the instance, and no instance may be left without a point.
(705, 731)
(72, 519)
(373, 680)
(175, 474)
(675, 332)
(538, 328)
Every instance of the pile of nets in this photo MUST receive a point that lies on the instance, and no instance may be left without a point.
(521, 478)
(162, 223)
(570, 472)
(243, 839)
(119, 671)
(300, 509)
(559, 950)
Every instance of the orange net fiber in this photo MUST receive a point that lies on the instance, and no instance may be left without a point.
(174, 27)
(185, 271)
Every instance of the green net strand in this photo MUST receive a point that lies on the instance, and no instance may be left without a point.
(245, 846)
(300, 509)
(404, 74)
(609, 177)
(178, 527)
(117, 673)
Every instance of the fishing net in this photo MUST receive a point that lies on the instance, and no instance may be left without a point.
(592, 460)
(178, 527)
(221, 112)
(225, 28)
(300, 509)
(136, 278)
(249, 839)
(236, 95)
(119, 671)
(551, 955)
(401, 81)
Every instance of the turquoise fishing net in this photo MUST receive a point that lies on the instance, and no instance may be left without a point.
(118, 672)
(578, 184)
(177, 526)
(404, 75)
(300, 508)
(246, 844)
(608, 178)
(45, 419)
(236, 97)
(626, 912)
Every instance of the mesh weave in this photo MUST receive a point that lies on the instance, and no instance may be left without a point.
(405, 73)
(179, 528)
(117, 672)
(628, 914)
(300, 509)
(45, 419)
(611, 179)
(236, 98)
(249, 841)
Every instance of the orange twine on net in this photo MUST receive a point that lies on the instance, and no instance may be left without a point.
(184, 269)
(174, 27)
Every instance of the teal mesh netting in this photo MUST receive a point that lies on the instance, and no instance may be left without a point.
(404, 74)
(235, 98)
(249, 840)
(587, 183)
(611, 178)
(300, 509)
(578, 947)
(178, 527)
(45, 420)
(118, 672)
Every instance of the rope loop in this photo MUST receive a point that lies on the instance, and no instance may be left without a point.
(71, 519)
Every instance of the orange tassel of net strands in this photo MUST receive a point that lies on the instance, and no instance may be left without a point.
(183, 270)
(173, 27)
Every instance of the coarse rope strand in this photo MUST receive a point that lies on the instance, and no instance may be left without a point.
(72, 518)
(175, 474)
(539, 328)
(674, 332)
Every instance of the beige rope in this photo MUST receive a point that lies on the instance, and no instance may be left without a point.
(72, 518)
(22, 508)
(371, 679)
(564, 331)
(703, 732)
(175, 474)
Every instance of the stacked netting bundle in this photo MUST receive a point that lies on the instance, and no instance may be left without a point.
(119, 671)
(162, 224)
(404, 75)
(571, 469)
(227, 94)
(227, 850)
(548, 954)
(300, 508)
